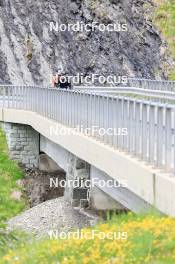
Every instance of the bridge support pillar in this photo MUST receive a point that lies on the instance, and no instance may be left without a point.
(77, 172)
(93, 197)
(23, 144)
(76, 168)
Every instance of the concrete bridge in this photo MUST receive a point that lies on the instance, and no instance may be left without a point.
(126, 143)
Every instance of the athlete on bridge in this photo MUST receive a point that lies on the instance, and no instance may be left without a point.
(60, 80)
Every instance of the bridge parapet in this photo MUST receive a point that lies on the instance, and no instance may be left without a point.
(163, 85)
(140, 128)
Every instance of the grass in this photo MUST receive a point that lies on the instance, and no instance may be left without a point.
(164, 19)
(9, 174)
(151, 239)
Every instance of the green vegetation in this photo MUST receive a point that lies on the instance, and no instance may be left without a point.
(150, 239)
(164, 18)
(9, 174)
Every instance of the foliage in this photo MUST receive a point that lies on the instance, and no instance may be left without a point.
(9, 174)
(151, 239)
(164, 18)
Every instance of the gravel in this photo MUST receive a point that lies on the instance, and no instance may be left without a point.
(56, 214)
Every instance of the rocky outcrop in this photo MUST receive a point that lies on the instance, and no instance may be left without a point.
(29, 52)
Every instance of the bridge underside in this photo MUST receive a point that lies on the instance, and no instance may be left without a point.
(101, 198)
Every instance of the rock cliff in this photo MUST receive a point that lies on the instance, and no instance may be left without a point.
(30, 52)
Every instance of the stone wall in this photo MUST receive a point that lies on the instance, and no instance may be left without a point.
(23, 144)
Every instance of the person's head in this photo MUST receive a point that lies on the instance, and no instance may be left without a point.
(63, 73)
(57, 71)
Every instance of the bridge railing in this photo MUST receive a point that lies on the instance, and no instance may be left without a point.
(147, 84)
(140, 128)
(148, 94)
(152, 84)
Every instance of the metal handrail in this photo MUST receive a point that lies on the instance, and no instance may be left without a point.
(145, 129)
